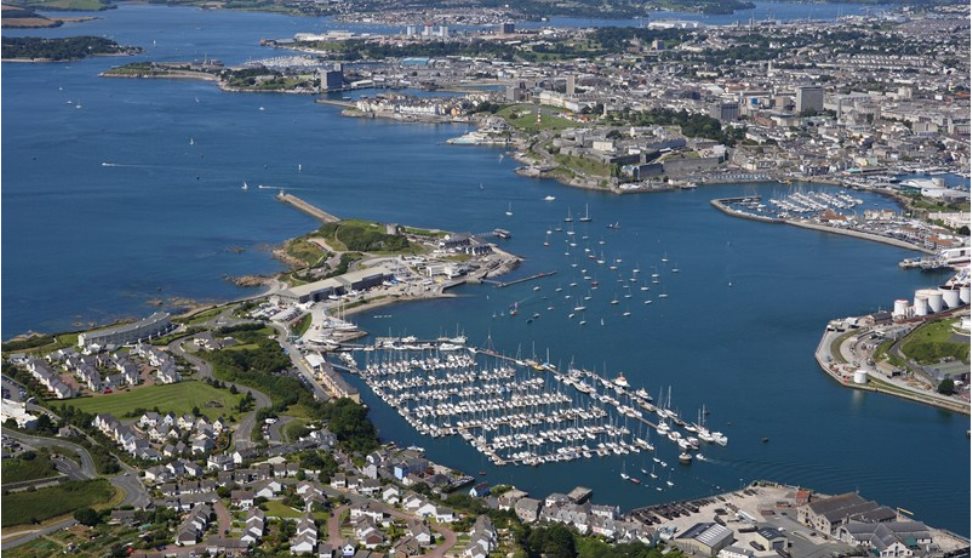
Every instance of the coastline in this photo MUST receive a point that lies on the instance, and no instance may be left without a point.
(720, 204)
(826, 361)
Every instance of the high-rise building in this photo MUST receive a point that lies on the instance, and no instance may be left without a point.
(508, 28)
(725, 111)
(809, 98)
(571, 85)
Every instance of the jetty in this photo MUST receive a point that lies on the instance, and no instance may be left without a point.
(307, 208)
(534, 277)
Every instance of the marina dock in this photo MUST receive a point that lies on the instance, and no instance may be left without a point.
(307, 208)
(520, 411)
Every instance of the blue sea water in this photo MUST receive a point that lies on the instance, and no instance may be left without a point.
(86, 242)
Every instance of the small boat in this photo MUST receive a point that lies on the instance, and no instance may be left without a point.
(549, 198)
(192, 141)
(616, 225)
(509, 210)
(685, 458)
(245, 186)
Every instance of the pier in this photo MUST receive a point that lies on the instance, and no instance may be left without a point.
(534, 277)
(307, 208)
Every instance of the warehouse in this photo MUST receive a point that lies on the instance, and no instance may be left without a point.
(335, 286)
(704, 538)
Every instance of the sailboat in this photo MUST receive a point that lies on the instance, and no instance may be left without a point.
(300, 167)
(509, 210)
(669, 481)
(192, 141)
(568, 218)
(624, 475)
(245, 186)
(587, 215)
(652, 473)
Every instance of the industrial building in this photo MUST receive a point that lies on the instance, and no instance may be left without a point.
(828, 514)
(352, 281)
(150, 327)
(706, 539)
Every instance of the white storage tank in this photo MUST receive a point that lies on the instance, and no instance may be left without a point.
(934, 299)
(964, 294)
(860, 377)
(900, 308)
(950, 296)
(921, 305)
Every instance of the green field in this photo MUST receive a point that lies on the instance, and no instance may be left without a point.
(77, 5)
(17, 469)
(29, 507)
(37, 548)
(524, 117)
(178, 398)
(934, 341)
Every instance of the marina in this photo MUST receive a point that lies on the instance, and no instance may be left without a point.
(522, 411)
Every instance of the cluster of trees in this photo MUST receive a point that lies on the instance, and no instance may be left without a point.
(693, 125)
(364, 237)
(349, 422)
(68, 48)
(616, 39)
(558, 541)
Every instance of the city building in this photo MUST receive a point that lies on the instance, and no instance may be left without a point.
(809, 98)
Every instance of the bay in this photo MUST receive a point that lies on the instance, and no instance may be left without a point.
(84, 242)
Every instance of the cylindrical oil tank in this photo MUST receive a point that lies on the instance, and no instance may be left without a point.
(921, 305)
(964, 294)
(860, 377)
(950, 296)
(900, 308)
(934, 299)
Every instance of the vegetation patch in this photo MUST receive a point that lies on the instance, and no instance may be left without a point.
(29, 465)
(34, 506)
(69, 48)
(933, 342)
(364, 236)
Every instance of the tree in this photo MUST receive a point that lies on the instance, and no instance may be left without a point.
(87, 516)
(196, 412)
(946, 387)
(964, 230)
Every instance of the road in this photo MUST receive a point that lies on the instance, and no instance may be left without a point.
(128, 482)
(87, 464)
(303, 368)
(447, 536)
(241, 437)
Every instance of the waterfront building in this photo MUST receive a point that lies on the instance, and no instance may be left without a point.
(705, 538)
(828, 514)
(352, 281)
(508, 28)
(150, 327)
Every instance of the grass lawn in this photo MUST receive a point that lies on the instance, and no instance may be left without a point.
(17, 469)
(28, 507)
(581, 165)
(276, 508)
(524, 117)
(933, 341)
(306, 251)
(179, 398)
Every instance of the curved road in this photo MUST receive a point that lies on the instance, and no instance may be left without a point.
(241, 437)
(128, 482)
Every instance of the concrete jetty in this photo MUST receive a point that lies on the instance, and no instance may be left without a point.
(307, 208)
(504, 284)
